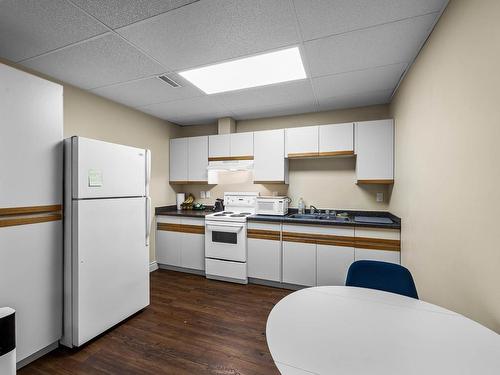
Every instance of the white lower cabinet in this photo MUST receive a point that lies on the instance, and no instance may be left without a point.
(381, 255)
(378, 244)
(264, 251)
(177, 246)
(299, 263)
(333, 262)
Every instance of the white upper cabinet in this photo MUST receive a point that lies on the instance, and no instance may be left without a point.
(197, 159)
(179, 160)
(270, 165)
(219, 146)
(302, 142)
(336, 139)
(241, 144)
(375, 152)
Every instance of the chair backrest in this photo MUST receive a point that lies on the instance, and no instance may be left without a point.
(384, 276)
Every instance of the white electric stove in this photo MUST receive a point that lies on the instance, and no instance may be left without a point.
(226, 238)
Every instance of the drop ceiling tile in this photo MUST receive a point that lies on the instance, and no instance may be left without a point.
(291, 93)
(327, 17)
(97, 62)
(273, 111)
(117, 13)
(358, 82)
(214, 30)
(30, 28)
(201, 109)
(147, 91)
(387, 44)
(357, 100)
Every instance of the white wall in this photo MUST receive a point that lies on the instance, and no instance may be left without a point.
(447, 115)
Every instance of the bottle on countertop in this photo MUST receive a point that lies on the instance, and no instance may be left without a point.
(301, 206)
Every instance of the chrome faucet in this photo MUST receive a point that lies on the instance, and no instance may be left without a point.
(313, 209)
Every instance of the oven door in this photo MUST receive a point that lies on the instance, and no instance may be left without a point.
(226, 241)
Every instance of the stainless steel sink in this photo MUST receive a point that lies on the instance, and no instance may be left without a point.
(317, 217)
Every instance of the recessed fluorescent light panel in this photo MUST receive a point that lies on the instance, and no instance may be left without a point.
(266, 69)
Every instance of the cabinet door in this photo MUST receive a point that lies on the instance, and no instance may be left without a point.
(333, 263)
(302, 142)
(241, 144)
(193, 244)
(219, 145)
(264, 259)
(179, 160)
(193, 251)
(168, 243)
(299, 263)
(336, 139)
(375, 151)
(197, 159)
(381, 255)
(269, 157)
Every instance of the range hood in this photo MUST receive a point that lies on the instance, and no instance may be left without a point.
(225, 167)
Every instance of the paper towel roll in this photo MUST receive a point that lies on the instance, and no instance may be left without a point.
(181, 197)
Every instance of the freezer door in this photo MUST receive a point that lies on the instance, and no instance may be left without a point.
(30, 283)
(31, 131)
(110, 264)
(106, 170)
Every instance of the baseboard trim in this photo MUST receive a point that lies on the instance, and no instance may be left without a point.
(275, 284)
(153, 266)
(36, 355)
(181, 269)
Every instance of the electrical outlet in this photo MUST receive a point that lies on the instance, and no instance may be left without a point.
(380, 197)
(207, 194)
(202, 194)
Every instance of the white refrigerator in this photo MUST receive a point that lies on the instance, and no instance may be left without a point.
(107, 212)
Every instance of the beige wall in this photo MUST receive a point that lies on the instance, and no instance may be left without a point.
(92, 116)
(447, 163)
(325, 183)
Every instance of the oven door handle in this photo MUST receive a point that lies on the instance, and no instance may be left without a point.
(224, 228)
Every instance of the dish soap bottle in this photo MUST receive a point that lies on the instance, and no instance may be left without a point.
(301, 206)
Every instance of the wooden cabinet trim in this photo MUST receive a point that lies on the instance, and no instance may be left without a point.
(224, 158)
(30, 220)
(269, 182)
(188, 182)
(346, 241)
(29, 210)
(337, 153)
(379, 182)
(181, 228)
(263, 234)
(300, 155)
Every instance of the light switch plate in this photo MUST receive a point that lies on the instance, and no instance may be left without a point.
(380, 197)
(202, 194)
(207, 194)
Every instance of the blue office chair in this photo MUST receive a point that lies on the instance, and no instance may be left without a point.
(384, 276)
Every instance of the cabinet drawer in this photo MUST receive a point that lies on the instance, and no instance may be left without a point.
(381, 255)
(168, 219)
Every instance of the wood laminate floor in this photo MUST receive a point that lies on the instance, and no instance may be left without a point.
(193, 326)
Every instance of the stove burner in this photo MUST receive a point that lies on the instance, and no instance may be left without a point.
(223, 214)
(245, 213)
(228, 212)
(238, 215)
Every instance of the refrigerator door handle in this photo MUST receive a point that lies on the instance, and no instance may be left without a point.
(148, 171)
(149, 219)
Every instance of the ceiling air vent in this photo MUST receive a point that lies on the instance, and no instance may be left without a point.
(169, 81)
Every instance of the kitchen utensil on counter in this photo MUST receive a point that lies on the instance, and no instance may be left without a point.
(219, 204)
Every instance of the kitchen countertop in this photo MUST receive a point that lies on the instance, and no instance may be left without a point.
(173, 211)
(396, 221)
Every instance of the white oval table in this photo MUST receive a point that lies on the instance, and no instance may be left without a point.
(338, 330)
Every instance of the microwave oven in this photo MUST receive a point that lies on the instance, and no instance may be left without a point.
(272, 205)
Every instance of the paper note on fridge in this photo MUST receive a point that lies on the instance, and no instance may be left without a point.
(95, 178)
